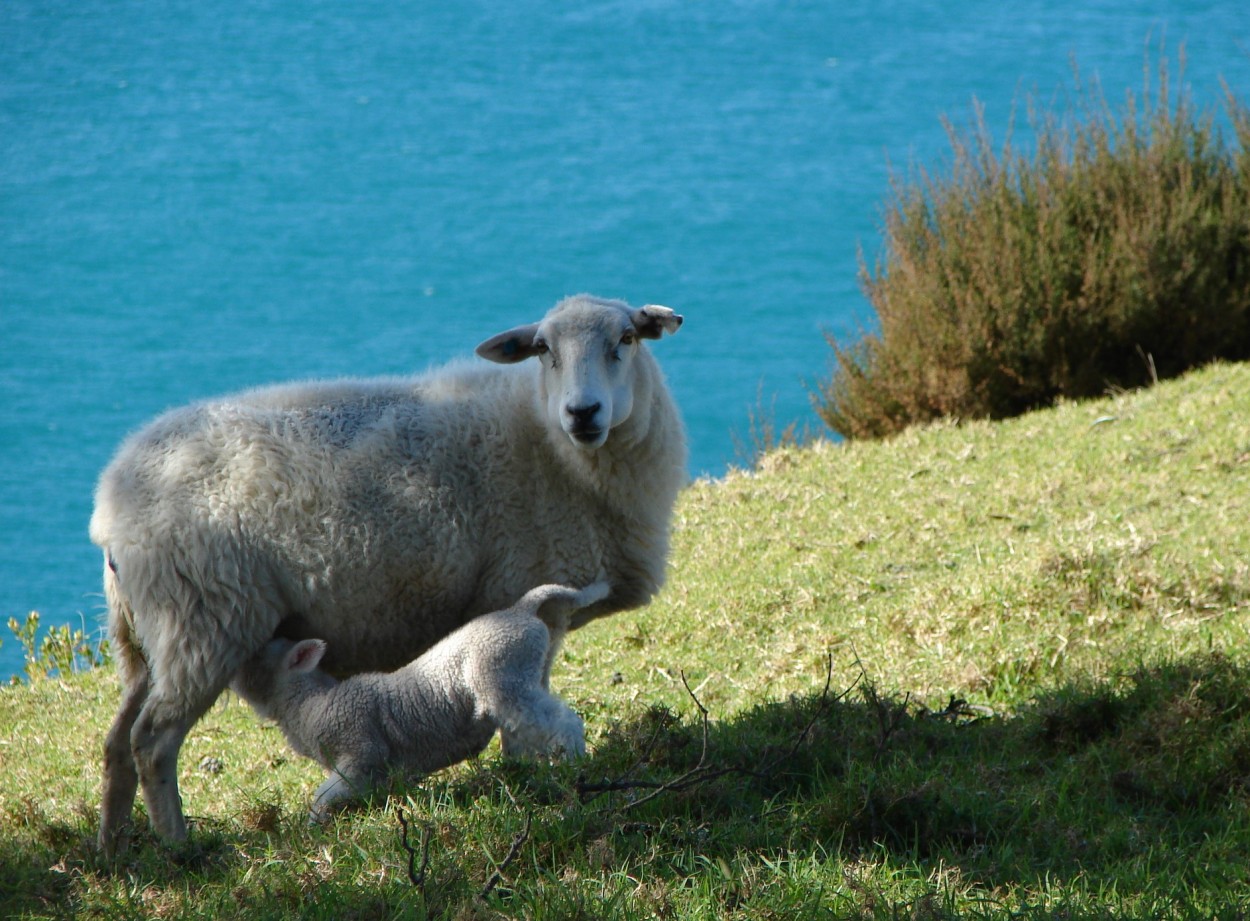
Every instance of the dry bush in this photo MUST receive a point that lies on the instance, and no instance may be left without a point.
(1117, 254)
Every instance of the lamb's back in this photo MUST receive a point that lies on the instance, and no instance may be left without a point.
(418, 716)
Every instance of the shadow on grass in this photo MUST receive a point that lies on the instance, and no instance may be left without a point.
(1115, 782)
(44, 862)
(1096, 780)
(30, 877)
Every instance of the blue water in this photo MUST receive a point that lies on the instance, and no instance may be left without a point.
(201, 196)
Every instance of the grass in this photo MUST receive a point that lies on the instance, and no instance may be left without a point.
(984, 670)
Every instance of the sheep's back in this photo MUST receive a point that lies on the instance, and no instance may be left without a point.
(342, 507)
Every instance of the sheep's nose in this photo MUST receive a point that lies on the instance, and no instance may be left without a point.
(582, 425)
(583, 415)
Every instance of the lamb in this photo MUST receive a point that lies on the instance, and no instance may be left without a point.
(434, 712)
(378, 515)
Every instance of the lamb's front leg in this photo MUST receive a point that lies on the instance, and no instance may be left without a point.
(539, 723)
(345, 784)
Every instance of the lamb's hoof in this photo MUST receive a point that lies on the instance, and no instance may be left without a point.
(569, 752)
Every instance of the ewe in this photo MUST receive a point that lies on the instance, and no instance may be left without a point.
(434, 712)
(379, 515)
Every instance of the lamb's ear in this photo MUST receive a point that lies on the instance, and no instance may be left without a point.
(511, 346)
(653, 321)
(304, 656)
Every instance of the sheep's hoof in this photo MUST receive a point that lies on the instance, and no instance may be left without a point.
(113, 844)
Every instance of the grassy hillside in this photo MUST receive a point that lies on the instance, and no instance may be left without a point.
(985, 670)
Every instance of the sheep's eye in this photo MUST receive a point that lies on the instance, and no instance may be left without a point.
(627, 339)
(541, 347)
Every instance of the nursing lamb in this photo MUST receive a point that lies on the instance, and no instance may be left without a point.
(434, 712)
(379, 515)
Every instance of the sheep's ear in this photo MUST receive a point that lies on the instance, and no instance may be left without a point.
(512, 346)
(305, 655)
(653, 321)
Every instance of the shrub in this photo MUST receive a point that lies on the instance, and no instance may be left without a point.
(1117, 254)
(61, 650)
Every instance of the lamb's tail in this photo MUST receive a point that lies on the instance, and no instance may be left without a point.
(552, 603)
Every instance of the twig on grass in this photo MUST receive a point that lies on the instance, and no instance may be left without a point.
(417, 877)
(959, 709)
(820, 710)
(696, 773)
(889, 717)
(518, 842)
(700, 773)
(703, 772)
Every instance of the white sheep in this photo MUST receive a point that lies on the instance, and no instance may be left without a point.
(434, 712)
(379, 515)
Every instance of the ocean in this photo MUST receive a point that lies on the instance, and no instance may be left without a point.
(197, 197)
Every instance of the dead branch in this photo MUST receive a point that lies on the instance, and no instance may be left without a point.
(696, 773)
(823, 706)
(596, 790)
(703, 772)
(417, 877)
(958, 709)
(889, 717)
(518, 842)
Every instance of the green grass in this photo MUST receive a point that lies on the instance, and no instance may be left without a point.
(1035, 637)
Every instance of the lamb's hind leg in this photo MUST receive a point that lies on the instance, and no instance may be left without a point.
(557, 633)
(531, 720)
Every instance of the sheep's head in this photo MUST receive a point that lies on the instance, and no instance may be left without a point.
(588, 347)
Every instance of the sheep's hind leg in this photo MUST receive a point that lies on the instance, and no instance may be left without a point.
(121, 779)
(204, 643)
(156, 740)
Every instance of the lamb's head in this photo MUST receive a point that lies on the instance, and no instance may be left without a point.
(279, 673)
(589, 348)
